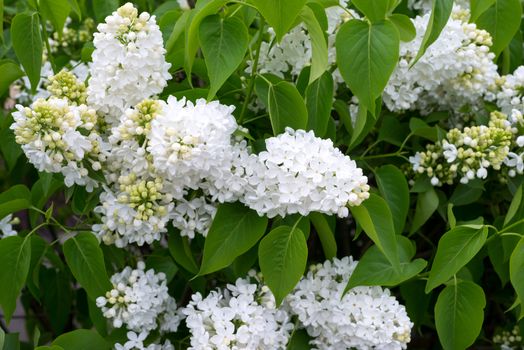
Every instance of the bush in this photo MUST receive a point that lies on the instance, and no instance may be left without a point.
(261, 174)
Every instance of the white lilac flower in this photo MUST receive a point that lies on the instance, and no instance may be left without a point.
(190, 142)
(6, 226)
(469, 153)
(136, 342)
(364, 318)
(301, 173)
(138, 212)
(140, 301)
(456, 71)
(241, 316)
(128, 62)
(130, 139)
(511, 94)
(193, 216)
(229, 183)
(515, 162)
(60, 138)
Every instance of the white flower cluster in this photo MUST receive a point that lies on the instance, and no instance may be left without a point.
(456, 71)
(192, 142)
(365, 318)
(511, 92)
(194, 216)
(294, 52)
(140, 301)
(301, 173)
(468, 154)
(6, 226)
(241, 316)
(189, 146)
(138, 213)
(128, 62)
(59, 136)
(136, 342)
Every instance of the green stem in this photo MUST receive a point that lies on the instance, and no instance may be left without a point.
(253, 71)
(507, 228)
(387, 155)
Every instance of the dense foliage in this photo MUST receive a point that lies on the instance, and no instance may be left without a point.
(261, 174)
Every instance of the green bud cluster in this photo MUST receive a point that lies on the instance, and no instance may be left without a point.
(138, 123)
(509, 340)
(467, 153)
(143, 196)
(72, 38)
(66, 85)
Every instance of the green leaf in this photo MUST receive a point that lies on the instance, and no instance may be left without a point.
(162, 262)
(374, 10)
(181, 252)
(502, 21)
(374, 269)
(325, 234)
(478, 7)
(2, 338)
(286, 107)
(299, 340)
(9, 72)
(96, 316)
(394, 188)
(455, 249)
(235, 229)
(421, 128)
(439, 17)
(56, 11)
(374, 216)
(319, 99)
(224, 43)
(38, 250)
(15, 257)
(319, 60)
(14, 199)
(52, 347)
(12, 341)
(282, 255)
(367, 54)
(459, 313)
(363, 125)
(280, 14)
(27, 43)
(192, 23)
(81, 339)
(104, 8)
(57, 298)
(467, 193)
(1, 40)
(427, 203)
(516, 272)
(86, 261)
(514, 206)
(75, 8)
(405, 26)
